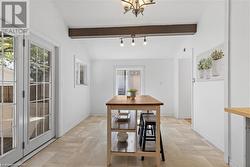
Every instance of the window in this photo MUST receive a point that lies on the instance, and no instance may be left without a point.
(128, 78)
(80, 73)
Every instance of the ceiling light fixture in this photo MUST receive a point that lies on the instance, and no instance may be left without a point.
(122, 43)
(145, 41)
(133, 41)
(137, 6)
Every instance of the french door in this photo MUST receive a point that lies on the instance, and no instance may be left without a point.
(39, 87)
(11, 102)
(26, 96)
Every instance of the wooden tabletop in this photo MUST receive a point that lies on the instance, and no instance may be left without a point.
(239, 111)
(139, 100)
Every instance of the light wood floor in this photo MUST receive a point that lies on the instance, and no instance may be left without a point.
(85, 146)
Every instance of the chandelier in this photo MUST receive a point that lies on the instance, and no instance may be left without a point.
(137, 6)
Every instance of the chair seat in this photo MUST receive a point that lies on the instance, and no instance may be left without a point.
(149, 119)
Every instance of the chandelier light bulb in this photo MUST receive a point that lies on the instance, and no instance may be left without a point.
(145, 41)
(136, 6)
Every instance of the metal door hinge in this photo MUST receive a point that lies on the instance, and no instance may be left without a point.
(23, 93)
(23, 42)
(229, 160)
(23, 145)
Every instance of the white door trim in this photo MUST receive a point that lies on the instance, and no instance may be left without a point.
(228, 96)
(227, 116)
(192, 89)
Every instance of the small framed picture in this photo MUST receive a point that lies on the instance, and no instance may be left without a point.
(80, 73)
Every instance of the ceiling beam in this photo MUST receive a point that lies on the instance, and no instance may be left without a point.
(152, 30)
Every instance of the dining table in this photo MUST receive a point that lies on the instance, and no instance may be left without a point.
(143, 103)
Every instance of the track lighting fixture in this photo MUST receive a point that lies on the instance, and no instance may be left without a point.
(133, 41)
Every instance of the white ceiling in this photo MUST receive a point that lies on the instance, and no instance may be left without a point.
(93, 13)
(99, 13)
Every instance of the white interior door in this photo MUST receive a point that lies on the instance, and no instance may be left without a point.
(185, 88)
(39, 101)
(11, 101)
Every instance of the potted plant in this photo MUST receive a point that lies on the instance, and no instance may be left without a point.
(207, 67)
(217, 57)
(201, 68)
(132, 93)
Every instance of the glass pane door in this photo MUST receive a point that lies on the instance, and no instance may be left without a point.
(40, 117)
(10, 143)
(134, 80)
(129, 78)
(25, 119)
(40, 86)
(8, 102)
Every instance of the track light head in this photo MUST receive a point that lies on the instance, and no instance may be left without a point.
(133, 41)
(145, 41)
(122, 43)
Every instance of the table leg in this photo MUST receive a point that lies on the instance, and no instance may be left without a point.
(158, 152)
(109, 115)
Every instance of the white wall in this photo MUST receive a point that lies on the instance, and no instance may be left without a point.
(239, 76)
(74, 102)
(209, 96)
(159, 82)
(209, 116)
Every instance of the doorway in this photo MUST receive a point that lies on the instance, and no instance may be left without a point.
(129, 78)
(11, 131)
(185, 89)
(39, 84)
(26, 96)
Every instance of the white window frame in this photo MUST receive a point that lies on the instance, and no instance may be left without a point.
(77, 76)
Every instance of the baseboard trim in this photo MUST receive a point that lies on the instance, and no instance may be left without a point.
(233, 164)
(74, 125)
(97, 114)
(206, 138)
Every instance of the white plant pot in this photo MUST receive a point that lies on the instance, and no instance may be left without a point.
(208, 74)
(217, 69)
(201, 74)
